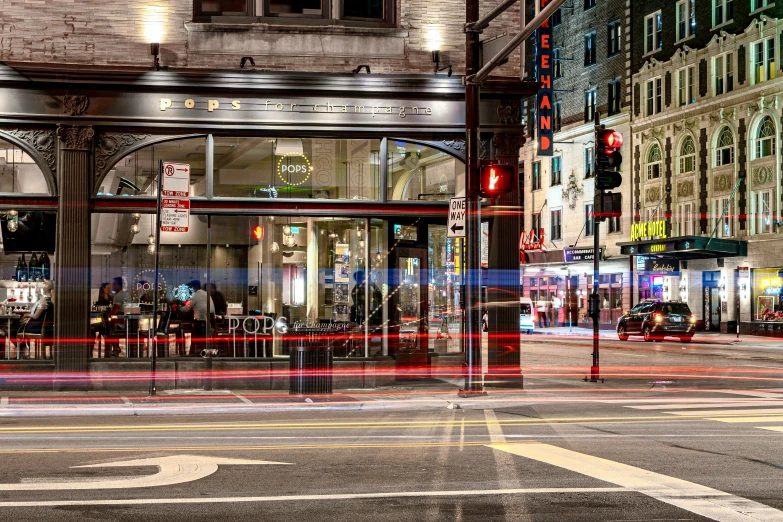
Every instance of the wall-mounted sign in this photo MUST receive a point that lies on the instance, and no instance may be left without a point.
(771, 285)
(456, 223)
(406, 232)
(640, 260)
(293, 168)
(531, 241)
(174, 214)
(544, 96)
(577, 255)
(648, 229)
(176, 180)
(662, 266)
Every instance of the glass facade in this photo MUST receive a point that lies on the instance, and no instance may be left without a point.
(767, 294)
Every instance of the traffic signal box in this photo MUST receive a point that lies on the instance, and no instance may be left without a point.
(496, 179)
(608, 159)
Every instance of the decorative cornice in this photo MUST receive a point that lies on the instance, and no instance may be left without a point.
(110, 145)
(75, 103)
(43, 142)
(75, 138)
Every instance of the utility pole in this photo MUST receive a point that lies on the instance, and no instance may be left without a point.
(473, 381)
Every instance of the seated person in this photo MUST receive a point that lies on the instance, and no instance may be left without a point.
(120, 299)
(38, 320)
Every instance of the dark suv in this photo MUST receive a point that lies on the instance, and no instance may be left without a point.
(657, 319)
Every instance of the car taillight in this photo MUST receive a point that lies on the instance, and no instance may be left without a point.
(693, 319)
(658, 317)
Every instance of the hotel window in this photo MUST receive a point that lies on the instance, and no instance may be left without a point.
(536, 175)
(654, 96)
(590, 101)
(765, 138)
(653, 27)
(762, 209)
(589, 4)
(590, 40)
(557, 113)
(755, 5)
(724, 216)
(589, 222)
(357, 11)
(557, 67)
(687, 156)
(222, 8)
(589, 162)
(686, 219)
(651, 214)
(557, 174)
(556, 225)
(723, 70)
(763, 58)
(614, 97)
(614, 224)
(614, 29)
(722, 12)
(536, 226)
(654, 160)
(686, 94)
(686, 19)
(724, 151)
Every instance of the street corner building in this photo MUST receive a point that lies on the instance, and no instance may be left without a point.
(308, 152)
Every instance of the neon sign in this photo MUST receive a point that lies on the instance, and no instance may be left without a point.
(772, 285)
(294, 168)
(648, 229)
(531, 241)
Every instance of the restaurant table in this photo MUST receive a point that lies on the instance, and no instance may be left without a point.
(139, 318)
(8, 318)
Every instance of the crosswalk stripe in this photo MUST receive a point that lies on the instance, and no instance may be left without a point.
(708, 413)
(737, 420)
(702, 405)
(771, 428)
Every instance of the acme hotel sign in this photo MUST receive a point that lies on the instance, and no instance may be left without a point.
(648, 229)
(325, 107)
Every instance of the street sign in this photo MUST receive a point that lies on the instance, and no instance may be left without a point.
(174, 214)
(456, 225)
(176, 180)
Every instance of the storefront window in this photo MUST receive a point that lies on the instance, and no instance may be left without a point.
(445, 313)
(19, 174)
(417, 173)
(297, 168)
(136, 173)
(767, 294)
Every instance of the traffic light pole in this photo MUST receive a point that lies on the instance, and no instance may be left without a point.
(473, 381)
(595, 368)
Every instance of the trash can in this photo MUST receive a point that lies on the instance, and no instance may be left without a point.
(311, 357)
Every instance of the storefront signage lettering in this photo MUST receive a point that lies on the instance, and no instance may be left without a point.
(293, 168)
(531, 241)
(660, 247)
(544, 96)
(257, 325)
(772, 285)
(327, 107)
(667, 266)
(577, 255)
(648, 229)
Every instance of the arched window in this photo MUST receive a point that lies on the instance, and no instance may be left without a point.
(724, 150)
(417, 172)
(654, 160)
(765, 138)
(687, 156)
(19, 173)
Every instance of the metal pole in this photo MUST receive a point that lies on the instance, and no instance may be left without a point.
(482, 24)
(595, 368)
(154, 325)
(472, 336)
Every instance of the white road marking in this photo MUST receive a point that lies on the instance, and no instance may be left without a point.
(505, 464)
(698, 499)
(289, 498)
(701, 405)
(609, 352)
(738, 420)
(3, 402)
(127, 401)
(243, 399)
(711, 413)
(771, 428)
(175, 469)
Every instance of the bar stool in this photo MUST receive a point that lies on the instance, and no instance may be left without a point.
(38, 345)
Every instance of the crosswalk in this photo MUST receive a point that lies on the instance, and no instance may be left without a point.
(764, 412)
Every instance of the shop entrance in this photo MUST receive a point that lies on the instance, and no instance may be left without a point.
(712, 305)
(409, 321)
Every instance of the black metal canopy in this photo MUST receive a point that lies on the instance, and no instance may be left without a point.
(686, 247)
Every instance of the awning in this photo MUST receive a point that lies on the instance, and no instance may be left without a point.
(686, 247)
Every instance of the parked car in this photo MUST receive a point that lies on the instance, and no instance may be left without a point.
(656, 320)
(527, 321)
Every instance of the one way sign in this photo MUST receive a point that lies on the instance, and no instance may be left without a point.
(456, 227)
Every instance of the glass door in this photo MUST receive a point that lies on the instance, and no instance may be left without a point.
(411, 299)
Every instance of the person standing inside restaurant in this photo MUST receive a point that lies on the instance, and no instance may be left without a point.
(118, 327)
(103, 305)
(221, 305)
(198, 303)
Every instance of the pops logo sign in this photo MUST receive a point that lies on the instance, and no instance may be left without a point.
(294, 168)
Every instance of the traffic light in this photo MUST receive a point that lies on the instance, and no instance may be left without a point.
(608, 159)
(496, 179)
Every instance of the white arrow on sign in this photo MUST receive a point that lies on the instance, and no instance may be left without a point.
(175, 469)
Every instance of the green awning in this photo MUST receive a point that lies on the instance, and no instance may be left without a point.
(686, 247)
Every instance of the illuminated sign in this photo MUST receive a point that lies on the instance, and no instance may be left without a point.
(648, 229)
(294, 168)
(660, 247)
(575, 255)
(544, 75)
(668, 266)
(531, 241)
(258, 232)
(772, 285)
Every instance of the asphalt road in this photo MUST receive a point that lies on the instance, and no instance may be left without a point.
(640, 446)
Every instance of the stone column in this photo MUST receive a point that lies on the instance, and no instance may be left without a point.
(503, 295)
(72, 266)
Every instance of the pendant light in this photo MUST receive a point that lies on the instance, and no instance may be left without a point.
(151, 241)
(274, 247)
(135, 228)
(13, 222)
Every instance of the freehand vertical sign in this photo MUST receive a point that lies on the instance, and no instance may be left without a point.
(544, 96)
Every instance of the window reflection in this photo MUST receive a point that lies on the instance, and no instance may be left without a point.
(417, 172)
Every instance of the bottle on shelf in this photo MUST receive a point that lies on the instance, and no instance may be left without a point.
(23, 270)
(32, 268)
(46, 266)
(18, 275)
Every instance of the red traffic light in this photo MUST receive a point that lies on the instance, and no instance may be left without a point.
(258, 232)
(496, 179)
(610, 139)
